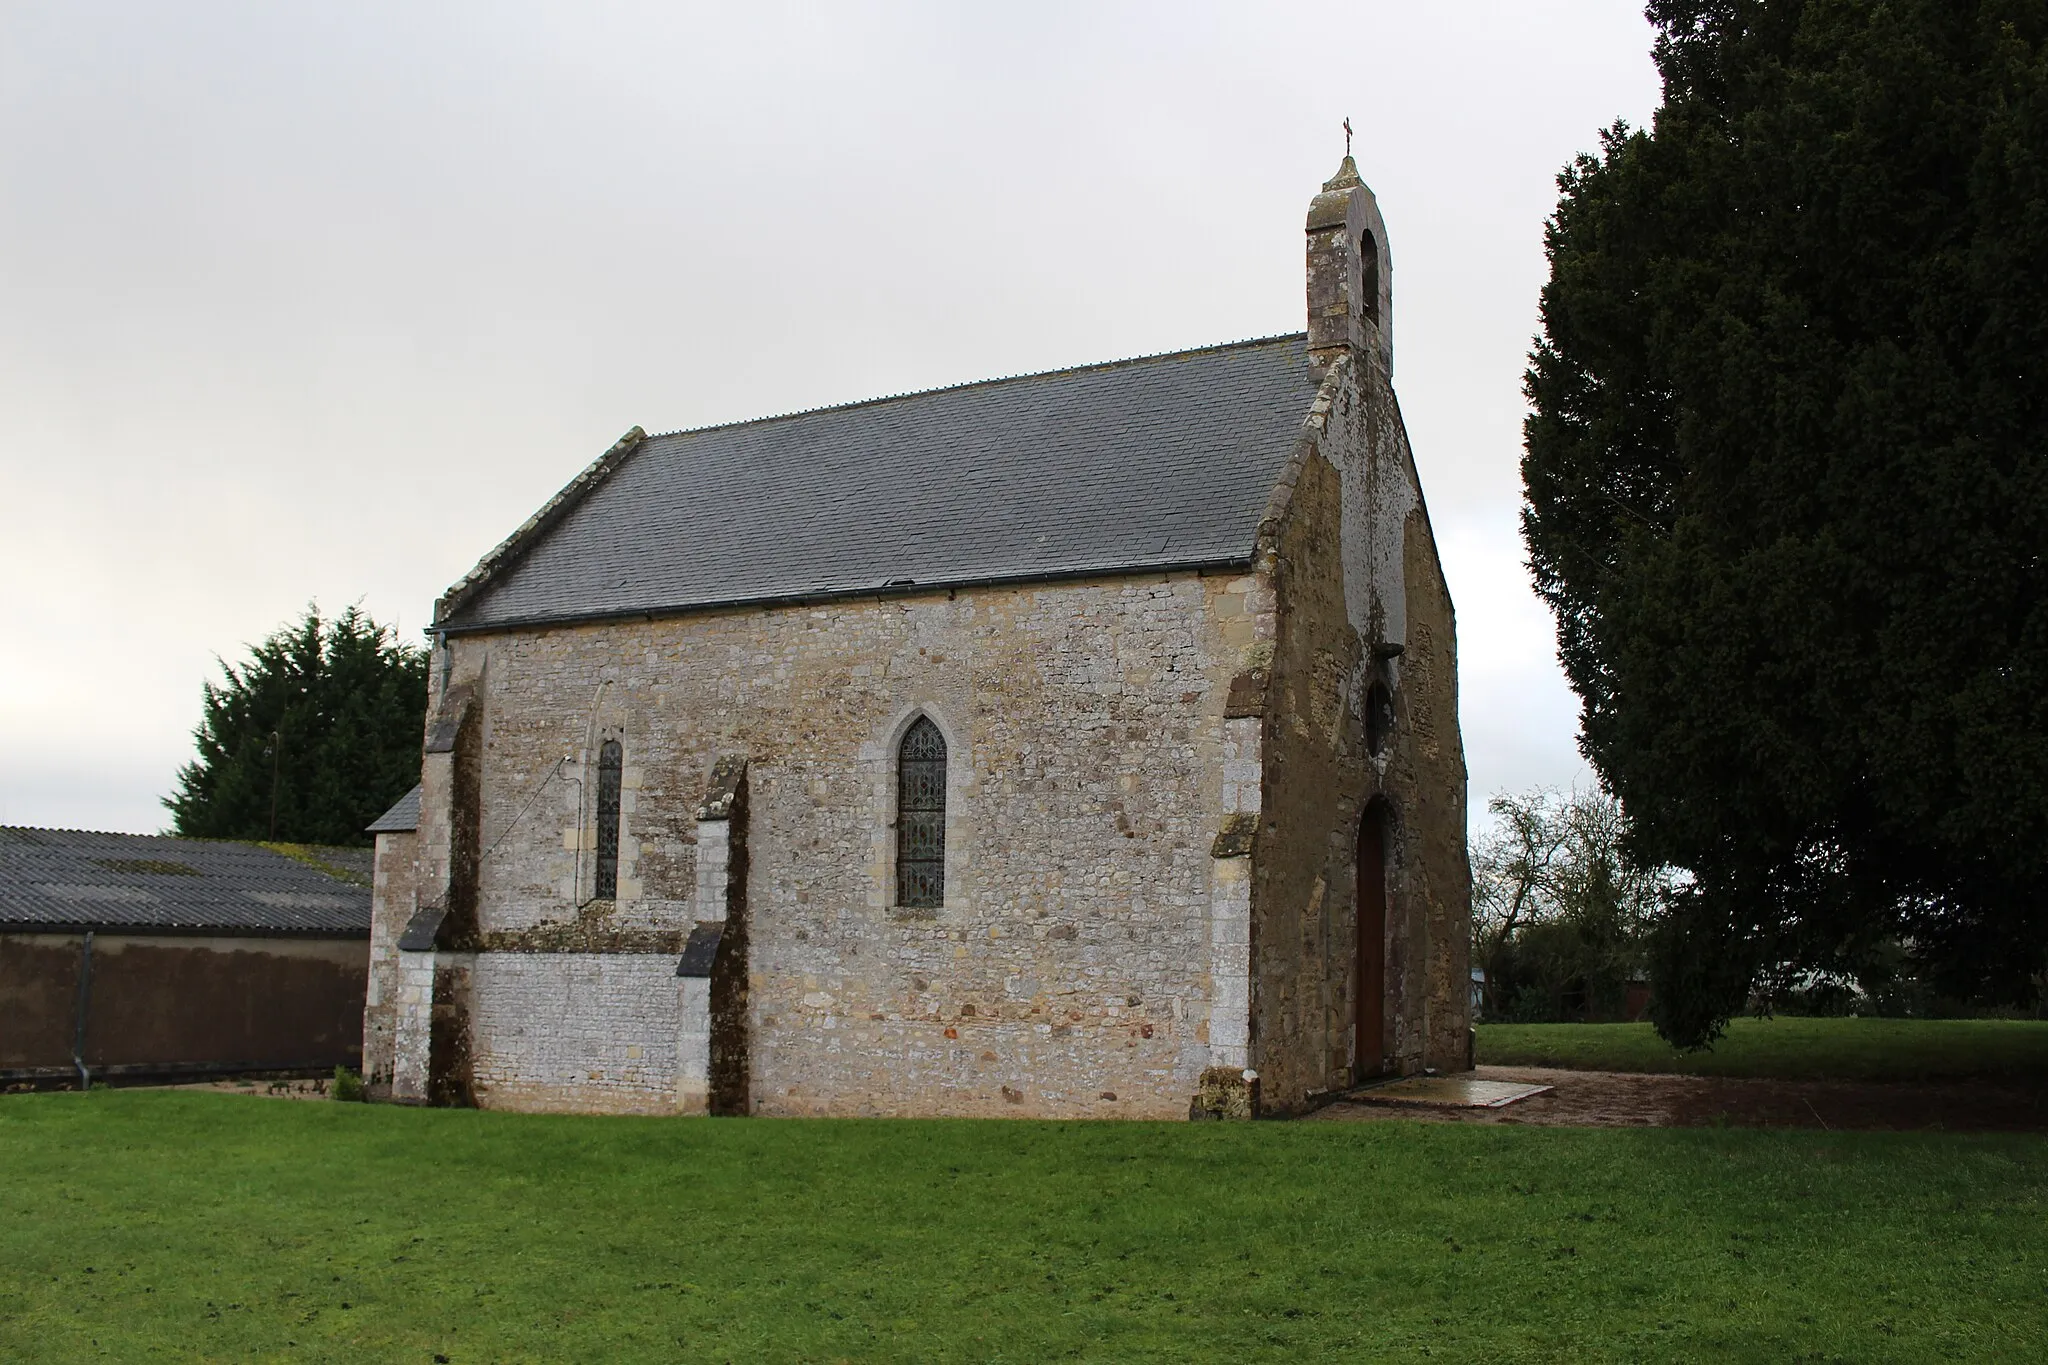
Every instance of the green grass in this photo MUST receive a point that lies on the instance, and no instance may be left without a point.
(1790, 1049)
(138, 1225)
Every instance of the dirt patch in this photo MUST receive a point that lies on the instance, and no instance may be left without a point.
(1611, 1099)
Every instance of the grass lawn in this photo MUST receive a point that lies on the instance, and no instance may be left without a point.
(137, 1225)
(1790, 1049)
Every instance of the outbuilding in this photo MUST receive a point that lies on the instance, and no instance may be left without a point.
(127, 957)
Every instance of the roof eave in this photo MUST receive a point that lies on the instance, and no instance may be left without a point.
(804, 599)
(73, 928)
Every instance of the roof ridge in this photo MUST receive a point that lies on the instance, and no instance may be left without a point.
(1092, 366)
(114, 833)
(267, 846)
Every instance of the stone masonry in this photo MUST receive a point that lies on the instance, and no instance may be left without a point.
(392, 905)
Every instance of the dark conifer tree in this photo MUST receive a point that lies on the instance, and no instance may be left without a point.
(1787, 482)
(321, 724)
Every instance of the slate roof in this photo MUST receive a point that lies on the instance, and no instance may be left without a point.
(66, 881)
(1162, 462)
(403, 816)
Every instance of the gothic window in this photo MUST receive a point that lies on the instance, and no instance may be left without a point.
(610, 766)
(921, 817)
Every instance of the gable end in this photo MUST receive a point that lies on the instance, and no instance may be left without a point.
(494, 564)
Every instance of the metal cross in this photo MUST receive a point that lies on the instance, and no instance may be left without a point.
(1347, 137)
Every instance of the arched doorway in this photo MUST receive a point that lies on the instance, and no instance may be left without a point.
(1369, 998)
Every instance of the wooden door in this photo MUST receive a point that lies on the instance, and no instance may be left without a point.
(1369, 1039)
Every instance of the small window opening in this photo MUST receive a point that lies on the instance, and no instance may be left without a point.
(921, 817)
(1379, 717)
(1369, 278)
(610, 768)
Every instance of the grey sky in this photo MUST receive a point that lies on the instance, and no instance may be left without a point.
(306, 302)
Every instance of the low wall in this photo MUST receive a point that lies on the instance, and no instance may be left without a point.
(575, 1032)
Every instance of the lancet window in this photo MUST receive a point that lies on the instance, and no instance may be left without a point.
(610, 772)
(921, 817)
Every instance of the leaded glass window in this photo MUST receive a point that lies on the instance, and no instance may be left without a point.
(921, 817)
(610, 766)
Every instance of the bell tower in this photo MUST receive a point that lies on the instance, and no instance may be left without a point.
(1350, 293)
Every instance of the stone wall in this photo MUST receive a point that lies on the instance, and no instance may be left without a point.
(1360, 600)
(589, 1032)
(1316, 780)
(412, 1010)
(1427, 778)
(393, 898)
(1069, 970)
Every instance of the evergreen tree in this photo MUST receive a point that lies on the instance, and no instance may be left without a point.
(1787, 481)
(310, 739)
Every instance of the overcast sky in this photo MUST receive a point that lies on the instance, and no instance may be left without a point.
(308, 303)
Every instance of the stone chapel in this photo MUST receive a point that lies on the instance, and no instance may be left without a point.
(1077, 744)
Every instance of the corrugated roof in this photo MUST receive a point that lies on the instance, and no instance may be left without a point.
(71, 880)
(1143, 464)
(404, 815)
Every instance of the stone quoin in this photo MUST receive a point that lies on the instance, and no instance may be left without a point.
(1078, 744)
